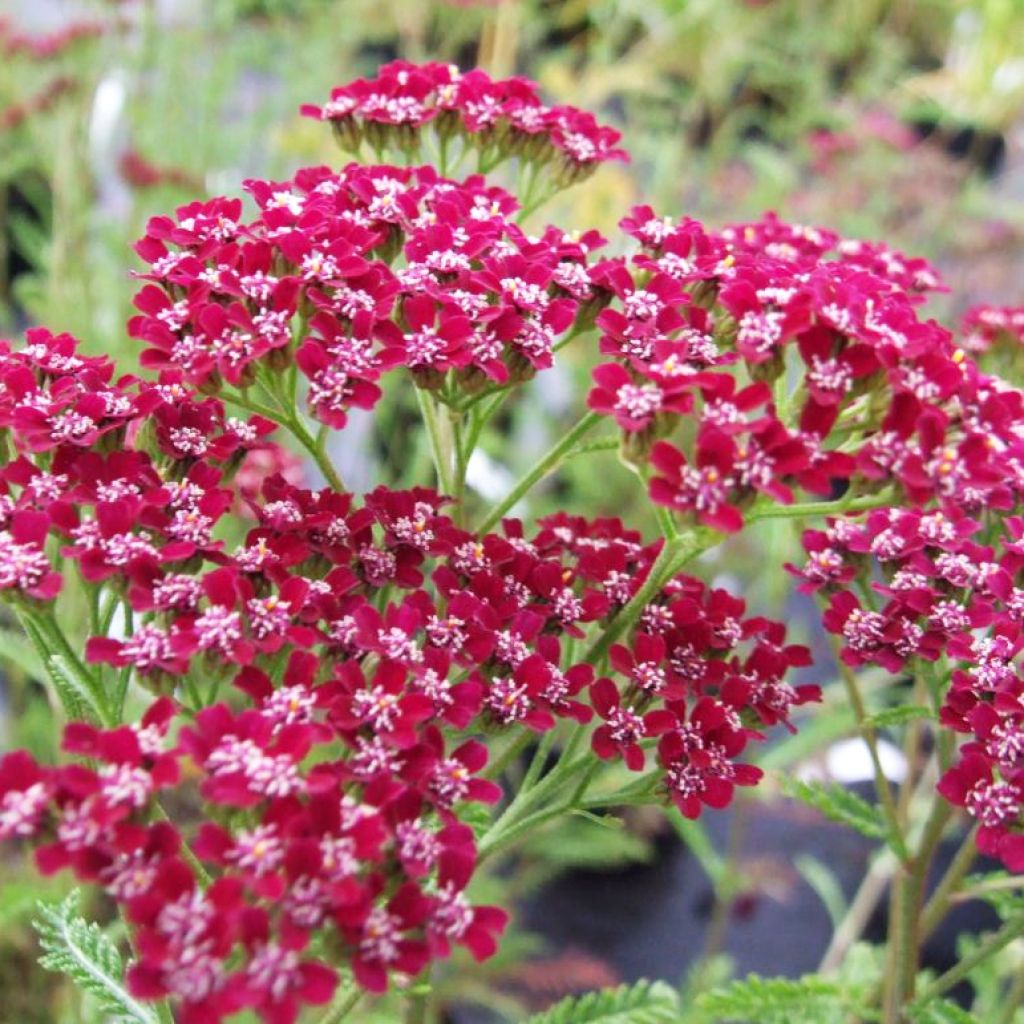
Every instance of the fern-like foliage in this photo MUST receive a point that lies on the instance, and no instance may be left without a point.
(940, 1011)
(757, 1000)
(645, 1002)
(898, 715)
(79, 949)
(840, 805)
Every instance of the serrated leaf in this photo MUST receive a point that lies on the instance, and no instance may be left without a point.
(940, 1011)
(645, 1002)
(888, 717)
(79, 949)
(838, 804)
(75, 696)
(757, 1000)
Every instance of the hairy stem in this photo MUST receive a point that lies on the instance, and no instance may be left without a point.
(544, 465)
(937, 906)
(343, 1004)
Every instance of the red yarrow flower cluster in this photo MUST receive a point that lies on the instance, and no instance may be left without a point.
(797, 362)
(940, 592)
(325, 683)
(988, 327)
(500, 118)
(472, 294)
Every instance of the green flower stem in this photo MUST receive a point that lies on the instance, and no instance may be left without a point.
(695, 837)
(675, 553)
(344, 1003)
(1013, 929)
(515, 830)
(666, 522)
(639, 792)
(440, 441)
(417, 1007)
(862, 906)
(937, 906)
(519, 817)
(509, 755)
(904, 938)
(290, 419)
(1012, 1000)
(808, 509)
(539, 759)
(194, 862)
(901, 975)
(462, 455)
(546, 464)
(870, 737)
(316, 448)
(604, 444)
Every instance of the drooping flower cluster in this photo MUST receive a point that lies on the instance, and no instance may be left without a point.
(472, 294)
(497, 118)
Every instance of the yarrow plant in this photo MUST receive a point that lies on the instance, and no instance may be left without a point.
(302, 722)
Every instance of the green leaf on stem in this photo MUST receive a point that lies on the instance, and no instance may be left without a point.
(588, 841)
(14, 649)
(645, 1002)
(940, 1011)
(757, 1000)
(838, 804)
(900, 715)
(75, 947)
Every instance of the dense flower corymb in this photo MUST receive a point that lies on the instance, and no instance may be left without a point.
(327, 676)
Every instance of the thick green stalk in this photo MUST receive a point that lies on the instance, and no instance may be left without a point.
(905, 925)
(440, 442)
(544, 465)
(903, 952)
